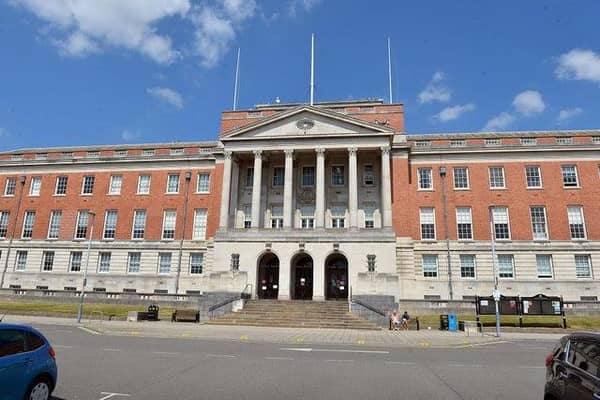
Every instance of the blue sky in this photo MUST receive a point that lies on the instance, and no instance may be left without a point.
(80, 72)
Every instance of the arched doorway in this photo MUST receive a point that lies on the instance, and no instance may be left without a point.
(302, 277)
(336, 277)
(267, 285)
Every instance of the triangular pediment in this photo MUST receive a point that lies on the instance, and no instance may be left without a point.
(306, 121)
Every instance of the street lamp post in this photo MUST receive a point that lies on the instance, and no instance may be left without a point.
(91, 215)
(495, 293)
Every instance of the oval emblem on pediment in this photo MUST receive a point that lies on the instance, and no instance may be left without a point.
(305, 124)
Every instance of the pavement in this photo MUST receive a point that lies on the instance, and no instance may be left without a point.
(96, 366)
(249, 334)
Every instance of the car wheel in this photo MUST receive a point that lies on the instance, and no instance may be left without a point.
(39, 389)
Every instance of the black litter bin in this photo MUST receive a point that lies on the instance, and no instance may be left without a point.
(444, 322)
(153, 312)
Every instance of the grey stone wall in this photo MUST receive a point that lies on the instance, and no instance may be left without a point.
(380, 302)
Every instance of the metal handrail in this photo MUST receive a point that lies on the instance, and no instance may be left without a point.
(370, 307)
(242, 295)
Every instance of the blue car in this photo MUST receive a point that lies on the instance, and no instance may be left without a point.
(27, 364)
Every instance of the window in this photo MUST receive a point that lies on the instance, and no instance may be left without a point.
(368, 176)
(585, 355)
(569, 174)
(133, 262)
(425, 179)
(457, 143)
(110, 224)
(464, 223)
(583, 266)
(203, 183)
(11, 187)
(501, 224)
(307, 217)
(143, 184)
(338, 216)
(497, 178)
(196, 263)
(278, 176)
(93, 154)
(596, 139)
(115, 184)
(369, 211)
(47, 260)
(461, 178)
(276, 217)
(467, 266)
(422, 143)
(147, 152)
(61, 186)
(75, 261)
(104, 262)
(308, 176)
(249, 176)
(16, 157)
(200, 218)
(12, 341)
(139, 224)
(564, 140)
(493, 142)
(4, 218)
(34, 341)
(538, 223)
(528, 141)
(576, 222)
(247, 216)
(506, 266)
(28, 223)
(173, 183)
(427, 217)
(67, 154)
(88, 185)
(235, 262)
(169, 221)
(120, 153)
(176, 151)
(430, 266)
(36, 186)
(533, 176)
(337, 175)
(164, 263)
(21, 260)
(54, 225)
(82, 224)
(544, 265)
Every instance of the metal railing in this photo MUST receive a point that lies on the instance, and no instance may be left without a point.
(244, 295)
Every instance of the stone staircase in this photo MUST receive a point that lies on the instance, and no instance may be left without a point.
(295, 314)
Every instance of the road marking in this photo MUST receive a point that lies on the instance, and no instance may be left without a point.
(348, 361)
(459, 365)
(532, 367)
(62, 346)
(306, 349)
(88, 330)
(244, 337)
(221, 355)
(108, 395)
(279, 358)
(400, 363)
(110, 349)
(167, 353)
(480, 344)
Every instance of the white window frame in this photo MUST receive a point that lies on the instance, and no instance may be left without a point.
(58, 185)
(582, 216)
(466, 175)
(464, 268)
(425, 221)
(71, 258)
(460, 221)
(103, 266)
(542, 275)
(169, 188)
(305, 167)
(200, 223)
(369, 174)
(369, 212)
(168, 216)
(249, 178)
(48, 257)
(338, 220)
(277, 220)
(83, 185)
(493, 180)
(533, 223)
(87, 223)
(53, 224)
(139, 185)
(512, 264)
(247, 216)
(130, 258)
(11, 183)
(420, 181)
(273, 176)
(195, 267)
(133, 225)
(114, 228)
(115, 185)
(4, 221)
(334, 175)
(507, 222)
(21, 260)
(203, 183)
(161, 270)
(539, 174)
(570, 186)
(30, 225)
(588, 259)
(432, 275)
(307, 220)
(35, 186)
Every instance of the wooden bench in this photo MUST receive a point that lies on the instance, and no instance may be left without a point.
(185, 315)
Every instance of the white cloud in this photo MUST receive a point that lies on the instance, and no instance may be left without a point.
(500, 121)
(579, 64)
(568, 113)
(167, 95)
(80, 27)
(306, 5)
(239, 10)
(454, 112)
(128, 135)
(529, 103)
(435, 90)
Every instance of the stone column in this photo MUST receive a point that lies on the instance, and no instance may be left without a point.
(352, 187)
(256, 188)
(225, 192)
(386, 188)
(320, 189)
(288, 186)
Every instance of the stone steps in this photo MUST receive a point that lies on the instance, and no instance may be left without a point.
(295, 314)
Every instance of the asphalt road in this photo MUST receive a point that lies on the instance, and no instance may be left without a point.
(98, 367)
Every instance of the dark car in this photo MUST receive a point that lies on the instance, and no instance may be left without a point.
(27, 364)
(573, 368)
